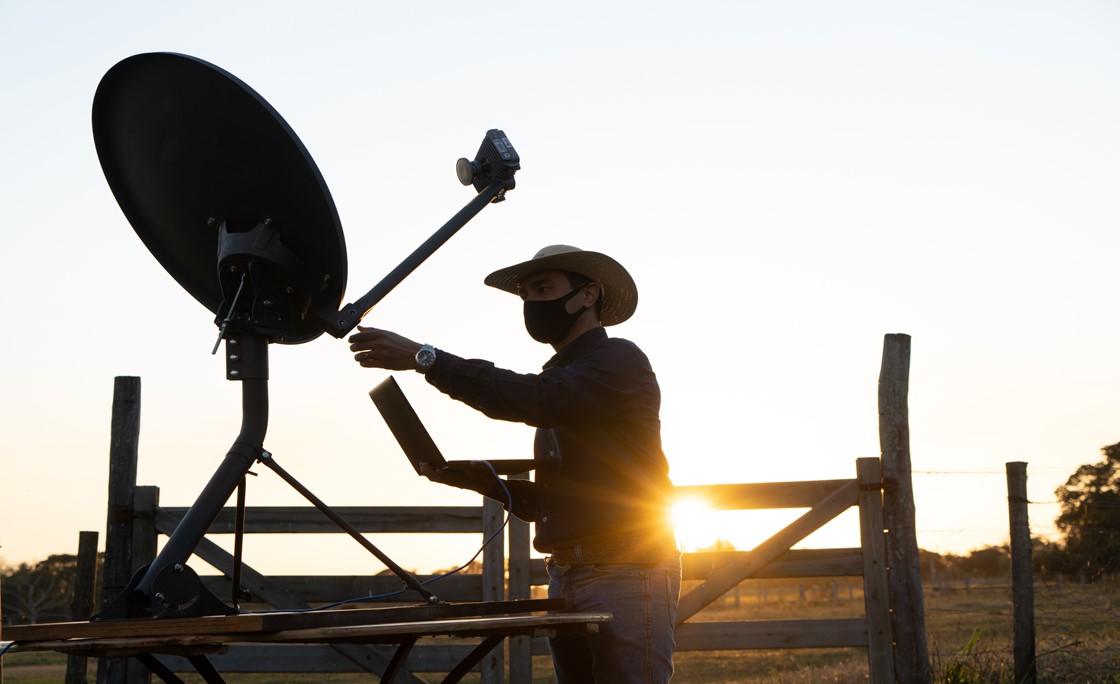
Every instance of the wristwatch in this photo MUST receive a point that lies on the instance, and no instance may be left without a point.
(425, 358)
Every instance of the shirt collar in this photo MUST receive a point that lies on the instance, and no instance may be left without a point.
(573, 349)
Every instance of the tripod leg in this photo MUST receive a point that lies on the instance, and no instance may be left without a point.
(238, 539)
(205, 668)
(473, 658)
(159, 669)
(397, 662)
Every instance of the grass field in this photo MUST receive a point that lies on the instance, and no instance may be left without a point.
(969, 633)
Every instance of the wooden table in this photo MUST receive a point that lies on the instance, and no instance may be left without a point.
(195, 638)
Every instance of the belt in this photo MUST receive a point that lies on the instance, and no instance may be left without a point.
(594, 553)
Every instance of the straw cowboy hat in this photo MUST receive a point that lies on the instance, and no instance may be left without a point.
(619, 293)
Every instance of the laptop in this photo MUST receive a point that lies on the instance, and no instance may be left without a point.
(415, 441)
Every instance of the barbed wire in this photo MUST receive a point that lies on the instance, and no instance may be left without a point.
(957, 472)
(1074, 626)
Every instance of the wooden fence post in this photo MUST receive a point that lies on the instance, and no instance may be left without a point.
(520, 587)
(82, 606)
(493, 579)
(124, 442)
(144, 546)
(144, 536)
(1022, 580)
(875, 600)
(908, 621)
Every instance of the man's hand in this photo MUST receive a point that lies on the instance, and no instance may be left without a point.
(383, 349)
(481, 481)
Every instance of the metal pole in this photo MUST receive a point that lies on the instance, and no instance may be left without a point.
(241, 456)
(342, 323)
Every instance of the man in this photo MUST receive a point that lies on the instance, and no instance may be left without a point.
(601, 495)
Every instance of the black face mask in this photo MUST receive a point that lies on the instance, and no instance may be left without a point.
(548, 321)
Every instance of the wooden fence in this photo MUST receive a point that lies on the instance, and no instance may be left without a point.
(717, 572)
(136, 519)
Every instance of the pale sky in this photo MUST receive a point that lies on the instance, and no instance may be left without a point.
(787, 182)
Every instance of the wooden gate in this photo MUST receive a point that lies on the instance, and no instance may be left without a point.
(721, 572)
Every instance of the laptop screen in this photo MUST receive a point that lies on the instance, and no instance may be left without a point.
(405, 425)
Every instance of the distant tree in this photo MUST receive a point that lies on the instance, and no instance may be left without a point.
(720, 545)
(1090, 516)
(473, 568)
(989, 561)
(933, 566)
(1049, 559)
(43, 591)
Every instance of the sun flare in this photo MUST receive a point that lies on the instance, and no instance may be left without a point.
(696, 524)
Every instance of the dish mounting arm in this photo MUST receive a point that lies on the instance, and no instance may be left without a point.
(491, 173)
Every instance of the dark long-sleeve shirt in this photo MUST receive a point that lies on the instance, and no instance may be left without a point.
(601, 475)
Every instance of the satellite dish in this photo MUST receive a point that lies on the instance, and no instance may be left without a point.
(222, 192)
(227, 198)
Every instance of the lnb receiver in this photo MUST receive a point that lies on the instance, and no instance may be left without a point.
(496, 161)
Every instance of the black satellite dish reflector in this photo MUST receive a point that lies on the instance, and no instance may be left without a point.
(222, 192)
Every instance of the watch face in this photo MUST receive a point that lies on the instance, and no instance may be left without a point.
(425, 357)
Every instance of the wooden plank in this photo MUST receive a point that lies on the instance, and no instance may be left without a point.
(465, 627)
(311, 589)
(367, 519)
(876, 604)
(417, 612)
(726, 578)
(130, 628)
(908, 621)
(125, 647)
(387, 632)
(793, 563)
(268, 622)
(771, 634)
(760, 495)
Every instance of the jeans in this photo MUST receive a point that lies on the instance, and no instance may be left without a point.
(637, 644)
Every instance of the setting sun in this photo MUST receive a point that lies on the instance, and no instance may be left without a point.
(696, 523)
